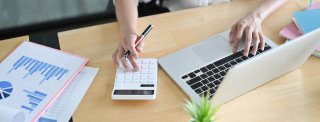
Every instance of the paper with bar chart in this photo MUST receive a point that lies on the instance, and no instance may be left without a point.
(33, 76)
(33, 66)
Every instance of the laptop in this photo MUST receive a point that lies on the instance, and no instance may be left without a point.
(209, 67)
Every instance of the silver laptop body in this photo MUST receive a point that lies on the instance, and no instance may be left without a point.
(186, 66)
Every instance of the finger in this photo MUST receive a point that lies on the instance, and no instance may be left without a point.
(262, 41)
(132, 48)
(255, 43)
(122, 60)
(232, 33)
(238, 37)
(134, 63)
(121, 52)
(125, 64)
(140, 46)
(115, 58)
(248, 32)
(240, 31)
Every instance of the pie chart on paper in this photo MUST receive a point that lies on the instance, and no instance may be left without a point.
(5, 89)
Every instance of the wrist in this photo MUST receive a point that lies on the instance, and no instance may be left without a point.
(127, 29)
(125, 33)
(257, 16)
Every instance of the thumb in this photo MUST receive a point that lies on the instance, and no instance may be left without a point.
(132, 48)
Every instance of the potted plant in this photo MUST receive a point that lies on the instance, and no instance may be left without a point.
(204, 112)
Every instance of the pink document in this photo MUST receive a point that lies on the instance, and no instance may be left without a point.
(290, 32)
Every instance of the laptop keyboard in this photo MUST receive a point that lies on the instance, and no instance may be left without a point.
(208, 78)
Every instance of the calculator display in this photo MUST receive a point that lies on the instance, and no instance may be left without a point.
(134, 92)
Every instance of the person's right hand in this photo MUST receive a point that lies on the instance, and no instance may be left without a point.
(128, 43)
(250, 28)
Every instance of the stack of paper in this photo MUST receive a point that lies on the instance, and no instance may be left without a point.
(303, 22)
(33, 77)
(68, 101)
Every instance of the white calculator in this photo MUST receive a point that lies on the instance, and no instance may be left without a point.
(141, 85)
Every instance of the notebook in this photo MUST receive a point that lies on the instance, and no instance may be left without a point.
(290, 32)
(307, 20)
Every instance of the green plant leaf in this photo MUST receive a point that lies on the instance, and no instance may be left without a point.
(205, 112)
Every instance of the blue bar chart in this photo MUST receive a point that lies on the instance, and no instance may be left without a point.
(33, 66)
(34, 99)
(44, 119)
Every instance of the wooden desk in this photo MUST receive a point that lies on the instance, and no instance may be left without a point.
(293, 97)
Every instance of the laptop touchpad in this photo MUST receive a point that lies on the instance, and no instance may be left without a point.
(213, 48)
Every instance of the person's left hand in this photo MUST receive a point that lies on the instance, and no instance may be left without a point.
(250, 28)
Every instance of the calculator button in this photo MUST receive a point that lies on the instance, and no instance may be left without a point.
(153, 61)
(145, 61)
(128, 74)
(147, 85)
(152, 72)
(127, 77)
(144, 66)
(152, 76)
(144, 71)
(143, 81)
(136, 78)
(119, 80)
(118, 85)
(127, 80)
(135, 81)
(143, 77)
(150, 81)
(120, 76)
(152, 66)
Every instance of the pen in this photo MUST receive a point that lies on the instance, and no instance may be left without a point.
(143, 35)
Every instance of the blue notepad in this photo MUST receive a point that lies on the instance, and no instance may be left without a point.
(307, 20)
